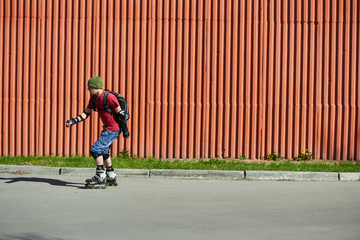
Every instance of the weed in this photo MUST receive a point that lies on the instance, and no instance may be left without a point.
(242, 157)
(124, 153)
(273, 156)
(305, 156)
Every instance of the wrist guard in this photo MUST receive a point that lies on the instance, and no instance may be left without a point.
(78, 119)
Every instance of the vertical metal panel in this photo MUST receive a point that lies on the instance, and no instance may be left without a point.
(2, 85)
(199, 79)
(203, 78)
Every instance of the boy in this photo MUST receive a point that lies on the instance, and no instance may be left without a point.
(112, 129)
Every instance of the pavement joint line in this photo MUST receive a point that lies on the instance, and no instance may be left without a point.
(192, 174)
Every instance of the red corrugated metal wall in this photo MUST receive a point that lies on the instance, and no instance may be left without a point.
(205, 78)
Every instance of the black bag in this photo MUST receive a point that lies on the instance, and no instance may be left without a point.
(122, 103)
(124, 110)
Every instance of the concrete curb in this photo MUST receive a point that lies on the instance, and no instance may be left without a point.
(190, 174)
(197, 174)
(70, 171)
(296, 176)
(29, 170)
(90, 171)
(349, 176)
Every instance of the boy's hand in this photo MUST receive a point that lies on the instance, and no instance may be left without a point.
(126, 133)
(69, 123)
(124, 129)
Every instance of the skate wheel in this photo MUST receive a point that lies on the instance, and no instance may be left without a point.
(92, 186)
(112, 184)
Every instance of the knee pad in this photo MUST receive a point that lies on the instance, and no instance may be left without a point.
(106, 156)
(94, 154)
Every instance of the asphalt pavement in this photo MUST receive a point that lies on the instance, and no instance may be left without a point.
(53, 206)
(193, 174)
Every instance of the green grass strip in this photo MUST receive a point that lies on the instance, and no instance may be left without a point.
(212, 164)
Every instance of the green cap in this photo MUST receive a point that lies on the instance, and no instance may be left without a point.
(95, 82)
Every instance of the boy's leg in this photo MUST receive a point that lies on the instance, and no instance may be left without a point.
(100, 152)
(96, 151)
(99, 161)
(99, 180)
(107, 160)
(100, 149)
(110, 172)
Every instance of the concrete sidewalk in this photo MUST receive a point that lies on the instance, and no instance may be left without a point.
(191, 174)
(58, 207)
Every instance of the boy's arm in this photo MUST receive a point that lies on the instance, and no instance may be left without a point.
(119, 113)
(117, 110)
(81, 117)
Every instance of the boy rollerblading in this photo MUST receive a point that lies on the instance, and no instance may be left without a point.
(114, 113)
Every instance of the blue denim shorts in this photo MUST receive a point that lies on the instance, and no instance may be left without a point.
(103, 144)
